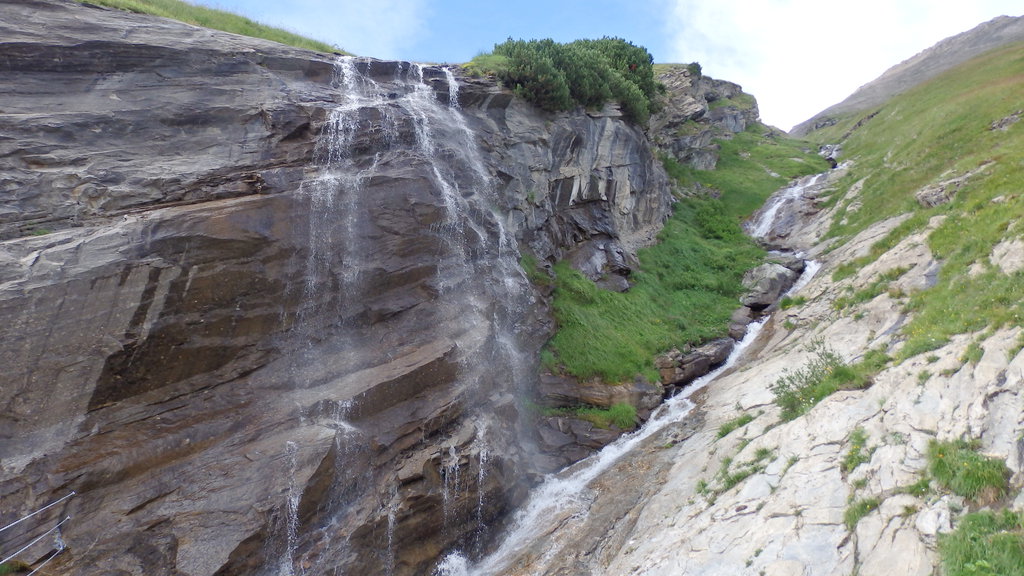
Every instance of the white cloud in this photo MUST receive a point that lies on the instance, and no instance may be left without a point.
(800, 56)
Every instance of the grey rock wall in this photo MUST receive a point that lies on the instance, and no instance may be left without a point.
(182, 346)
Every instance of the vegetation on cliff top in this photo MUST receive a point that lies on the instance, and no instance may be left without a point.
(215, 19)
(688, 283)
(961, 132)
(587, 73)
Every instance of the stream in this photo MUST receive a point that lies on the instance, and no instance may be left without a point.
(570, 493)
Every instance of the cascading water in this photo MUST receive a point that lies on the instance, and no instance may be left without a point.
(568, 493)
(292, 515)
(761, 226)
(391, 121)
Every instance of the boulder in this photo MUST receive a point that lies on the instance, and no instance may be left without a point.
(765, 284)
(678, 369)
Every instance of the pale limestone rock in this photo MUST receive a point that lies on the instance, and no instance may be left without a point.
(1008, 255)
(785, 568)
(934, 520)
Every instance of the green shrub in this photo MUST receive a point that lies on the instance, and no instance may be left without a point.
(957, 466)
(587, 73)
(985, 543)
(532, 74)
(799, 389)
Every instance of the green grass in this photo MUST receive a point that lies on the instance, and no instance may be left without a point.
(871, 291)
(800, 389)
(729, 477)
(685, 292)
(858, 454)
(858, 510)
(621, 415)
(216, 19)
(752, 165)
(741, 101)
(737, 422)
(534, 272)
(687, 284)
(931, 134)
(487, 64)
(958, 467)
(984, 544)
(788, 302)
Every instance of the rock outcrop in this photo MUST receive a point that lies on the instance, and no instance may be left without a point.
(698, 110)
(263, 311)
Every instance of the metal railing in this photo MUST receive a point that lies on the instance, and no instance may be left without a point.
(29, 536)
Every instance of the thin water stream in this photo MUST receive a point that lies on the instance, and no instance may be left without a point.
(569, 492)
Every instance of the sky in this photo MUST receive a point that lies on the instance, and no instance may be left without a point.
(797, 57)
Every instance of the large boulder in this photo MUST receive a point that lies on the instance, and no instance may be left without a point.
(765, 284)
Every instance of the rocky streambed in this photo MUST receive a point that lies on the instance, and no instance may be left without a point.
(735, 489)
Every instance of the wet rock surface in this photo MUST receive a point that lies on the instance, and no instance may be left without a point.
(185, 347)
(771, 496)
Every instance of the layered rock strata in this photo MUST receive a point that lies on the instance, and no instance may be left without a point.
(262, 310)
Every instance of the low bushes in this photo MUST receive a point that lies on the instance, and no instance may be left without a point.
(800, 389)
(588, 73)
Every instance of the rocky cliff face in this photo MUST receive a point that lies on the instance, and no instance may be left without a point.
(263, 311)
(698, 111)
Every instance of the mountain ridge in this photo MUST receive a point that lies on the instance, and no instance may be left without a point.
(930, 62)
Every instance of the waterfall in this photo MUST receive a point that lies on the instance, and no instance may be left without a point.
(763, 223)
(567, 492)
(292, 514)
(390, 124)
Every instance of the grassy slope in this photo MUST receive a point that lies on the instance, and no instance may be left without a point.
(688, 284)
(931, 134)
(216, 19)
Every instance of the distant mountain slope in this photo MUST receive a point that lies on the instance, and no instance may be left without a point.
(927, 64)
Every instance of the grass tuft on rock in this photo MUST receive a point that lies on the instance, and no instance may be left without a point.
(800, 389)
(217, 20)
(984, 543)
(958, 467)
